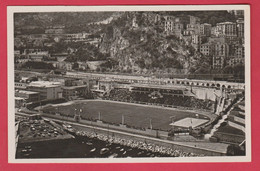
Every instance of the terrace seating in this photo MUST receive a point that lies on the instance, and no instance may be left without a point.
(172, 98)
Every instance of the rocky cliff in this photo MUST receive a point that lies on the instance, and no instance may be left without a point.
(139, 44)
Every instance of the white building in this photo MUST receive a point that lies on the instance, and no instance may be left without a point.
(47, 89)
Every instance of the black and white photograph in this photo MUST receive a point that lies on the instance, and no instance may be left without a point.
(129, 84)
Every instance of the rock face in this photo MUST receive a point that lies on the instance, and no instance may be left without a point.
(139, 44)
(134, 42)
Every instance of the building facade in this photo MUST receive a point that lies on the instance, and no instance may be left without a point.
(47, 89)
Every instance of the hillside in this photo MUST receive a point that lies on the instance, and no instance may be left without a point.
(132, 42)
(145, 48)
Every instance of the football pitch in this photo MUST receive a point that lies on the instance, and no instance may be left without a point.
(134, 115)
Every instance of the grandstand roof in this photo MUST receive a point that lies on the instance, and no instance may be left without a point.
(159, 86)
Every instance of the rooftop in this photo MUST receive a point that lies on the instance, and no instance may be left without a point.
(45, 84)
(158, 86)
(27, 92)
(226, 23)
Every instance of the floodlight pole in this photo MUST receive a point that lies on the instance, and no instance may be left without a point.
(123, 120)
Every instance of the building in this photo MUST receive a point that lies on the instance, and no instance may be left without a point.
(20, 85)
(76, 37)
(36, 54)
(74, 92)
(221, 52)
(28, 96)
(240, 51)
(205, 29)
(173, 25)
(188, 32)
(134, 23)
(47, 89)
(55, 31)
(207, 49)
(232, 61)
(218, 62)
(240, 28)
(193, 27)
(227, 29)
(19, 102)
(64, 65)
(221, 49)
(239, 13)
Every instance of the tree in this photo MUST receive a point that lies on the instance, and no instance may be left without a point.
(75, 65)
(228, 70)
(239, 71)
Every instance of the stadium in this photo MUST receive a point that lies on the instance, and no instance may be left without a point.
(142, 107)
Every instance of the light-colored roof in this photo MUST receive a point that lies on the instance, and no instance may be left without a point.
(27, 92)
(19, 98)
(159, 86)
(45, 84)
(226, 23)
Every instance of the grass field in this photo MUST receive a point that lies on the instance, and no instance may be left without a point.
(134, 115)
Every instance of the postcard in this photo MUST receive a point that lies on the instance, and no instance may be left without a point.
(129, 84)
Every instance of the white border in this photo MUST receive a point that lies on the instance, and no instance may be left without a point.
(11, 119)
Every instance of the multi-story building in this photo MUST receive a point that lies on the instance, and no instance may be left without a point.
(221, 49)
(227, 29)
(47, 89)
(207, 49)
(218, 62)
(28, 96)
(239, 12)
(214, 32)
(188, 32)
(232, 61)
(173, 25)
(221, 52)
(197, 40)
(73, 92)
(20, 85)
(240, 51)
(205, 29)
(193, 27)
(240, 28)
(238, 56)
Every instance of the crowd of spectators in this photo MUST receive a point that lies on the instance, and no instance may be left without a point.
(164, 99)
